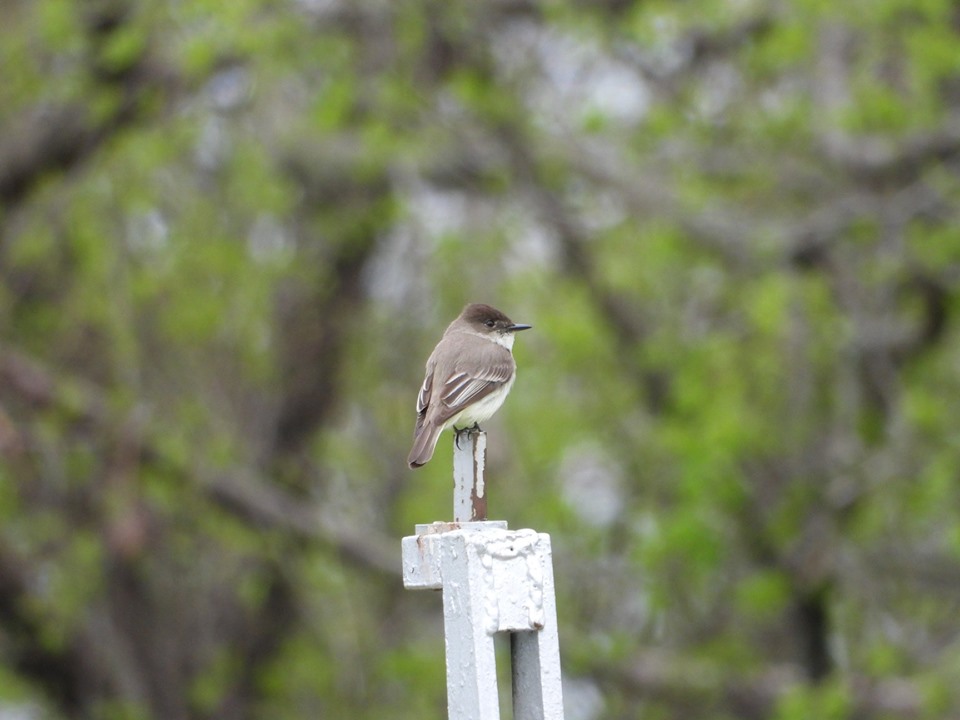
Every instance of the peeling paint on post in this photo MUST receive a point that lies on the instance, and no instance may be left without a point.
(469, 460)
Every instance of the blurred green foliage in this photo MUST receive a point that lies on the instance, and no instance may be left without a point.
(230, 234)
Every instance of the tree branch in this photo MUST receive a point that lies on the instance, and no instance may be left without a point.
(700, 686)
(879, 159)
(240, 492)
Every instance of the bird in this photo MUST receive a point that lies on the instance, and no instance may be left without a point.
(468, 376)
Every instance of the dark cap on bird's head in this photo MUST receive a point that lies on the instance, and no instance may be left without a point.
(485, 318)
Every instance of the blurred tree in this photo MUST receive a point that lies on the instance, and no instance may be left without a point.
(229, 233)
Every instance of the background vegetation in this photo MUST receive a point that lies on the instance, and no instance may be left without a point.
(230, 233)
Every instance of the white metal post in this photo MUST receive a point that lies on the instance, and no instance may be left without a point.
(469, 490)
(493, 580)
(535, 655)
(471, 661)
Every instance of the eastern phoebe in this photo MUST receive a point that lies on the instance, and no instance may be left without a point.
(469, 374)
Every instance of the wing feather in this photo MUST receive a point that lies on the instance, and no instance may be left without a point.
(468, 388)
(458, 384)
(426, 390)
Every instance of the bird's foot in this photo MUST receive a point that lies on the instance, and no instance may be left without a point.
(475, 428)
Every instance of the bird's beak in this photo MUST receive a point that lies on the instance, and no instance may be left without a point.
(516, 327)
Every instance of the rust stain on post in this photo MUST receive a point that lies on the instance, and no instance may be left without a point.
(469, 494)
(478, 506)
(478, 493)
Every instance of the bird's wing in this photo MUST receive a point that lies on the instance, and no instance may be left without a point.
(467, 383)
(426, 390)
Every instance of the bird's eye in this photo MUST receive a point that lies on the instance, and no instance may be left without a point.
(489, 323)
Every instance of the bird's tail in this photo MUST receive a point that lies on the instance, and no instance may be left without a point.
(424, 442)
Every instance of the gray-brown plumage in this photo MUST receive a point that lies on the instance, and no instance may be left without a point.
(468, 376)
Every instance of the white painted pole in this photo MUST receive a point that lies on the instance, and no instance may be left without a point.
(471, 660)
(493, 580)
(535, 655)
(469, 491)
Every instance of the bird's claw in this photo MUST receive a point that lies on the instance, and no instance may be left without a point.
(458, 432)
